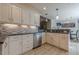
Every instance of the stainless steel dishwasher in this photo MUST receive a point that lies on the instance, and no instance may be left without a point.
(37, 40)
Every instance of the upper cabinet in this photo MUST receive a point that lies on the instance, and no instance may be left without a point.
(13, 14)
(37, 19)
(34, 18)
(5, 12)
(25, 16)
(16, 14)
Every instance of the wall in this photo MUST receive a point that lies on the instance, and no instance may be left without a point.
(54, 26)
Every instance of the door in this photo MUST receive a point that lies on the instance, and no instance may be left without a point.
(5, 47)
(15, 45)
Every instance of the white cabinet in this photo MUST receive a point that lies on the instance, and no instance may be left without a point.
(64, 43)
(5, 47)
(32, 17)
(58, 40)
(27, 42)
(15, 45)
(37, 19)
(5, 12)
(43, 38)
(25, 16)
(0, 11)
(16, 14)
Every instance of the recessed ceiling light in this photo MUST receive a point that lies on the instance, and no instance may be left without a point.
(44, 8)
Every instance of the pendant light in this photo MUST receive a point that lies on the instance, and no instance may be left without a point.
(57, 16)
(46, 17)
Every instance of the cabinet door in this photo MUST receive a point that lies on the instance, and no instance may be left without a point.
(37, 19)
(55, 40)
(0, 12)
(27, 42)
(25, 16)
(5, 47)
(16, 14)
(5, 12)
(32, 17)
(49, 38)
(43, 38)
(15, 45)
(64, 41)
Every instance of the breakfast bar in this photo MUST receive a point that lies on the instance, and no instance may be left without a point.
(58, 38)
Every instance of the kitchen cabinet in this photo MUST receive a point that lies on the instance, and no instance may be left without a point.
(25, 16)
(27, 42)
(49, 38)
(16, 14)
(58, 39)
(64, 41)
(43, 38)
(15, 45)
(5, 47)
(0, 11)
(37, 19)
(32, 17)
(55, 39)
(5, 12)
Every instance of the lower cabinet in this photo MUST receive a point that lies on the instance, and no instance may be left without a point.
(5, 47)
(27, 42)
(58, 40)
(43, 38)
(15, 45)
(64, 43)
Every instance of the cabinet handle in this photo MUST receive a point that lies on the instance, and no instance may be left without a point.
(5, 44)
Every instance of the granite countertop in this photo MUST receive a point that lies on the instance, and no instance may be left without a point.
(62, 31)
(22, 34)
(2, 39)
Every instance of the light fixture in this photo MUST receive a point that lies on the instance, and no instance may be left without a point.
(44, 8)
(10, 25)
(24, 26)
(46, 17)
(32, 27)
(57, 16)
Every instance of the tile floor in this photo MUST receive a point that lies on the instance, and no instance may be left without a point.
(46, 49)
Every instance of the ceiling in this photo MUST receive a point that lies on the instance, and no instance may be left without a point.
(66, 10)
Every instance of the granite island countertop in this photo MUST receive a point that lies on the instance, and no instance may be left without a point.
(62, 31)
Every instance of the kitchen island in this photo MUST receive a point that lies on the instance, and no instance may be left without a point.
(58, 38)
